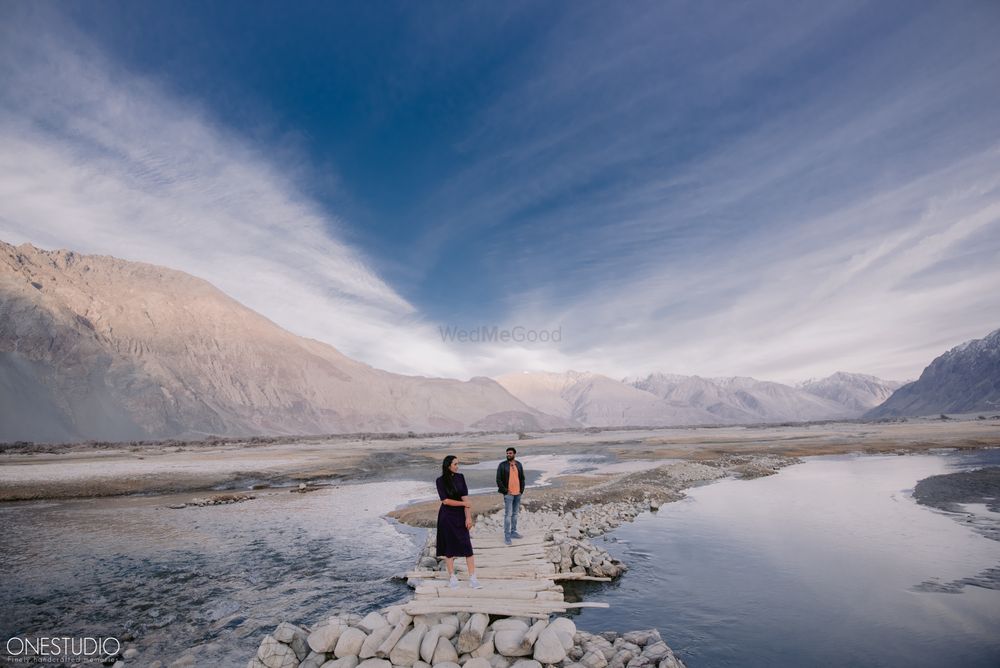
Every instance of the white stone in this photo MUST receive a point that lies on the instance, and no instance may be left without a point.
(373, 642)
(476, 663)
(566, 630)
(445, 651)
(407, 650)
(374, 663)
(451, 626)
(549, 647)
(372, 621)
(507, 637)
(486, 650)
(429, 643)
(274, 654)
(350, 643)
(471, 636)
(324, 638)
(526, 663)
(594, 659)
(346, 662)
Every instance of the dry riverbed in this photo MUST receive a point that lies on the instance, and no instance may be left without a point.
(88, 470)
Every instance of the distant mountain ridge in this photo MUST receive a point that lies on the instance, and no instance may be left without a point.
(965, 379)
(857, 391)
(93, 347)
(662, 399)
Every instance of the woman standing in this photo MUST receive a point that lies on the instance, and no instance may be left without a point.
(454, 521)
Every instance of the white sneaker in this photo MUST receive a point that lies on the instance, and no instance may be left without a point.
(453, 582)
(474, 583)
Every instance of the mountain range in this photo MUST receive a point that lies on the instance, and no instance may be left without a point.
(966, 379)
(661, 399)
(99, 348)
(93, 347)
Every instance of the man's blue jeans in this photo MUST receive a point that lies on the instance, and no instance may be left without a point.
(511, 505)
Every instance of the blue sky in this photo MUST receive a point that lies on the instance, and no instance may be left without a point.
(779, 189)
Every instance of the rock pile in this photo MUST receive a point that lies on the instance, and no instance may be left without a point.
(393, 639)
(219, 500)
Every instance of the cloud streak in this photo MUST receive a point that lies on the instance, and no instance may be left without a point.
(677, 188)
(99, 160)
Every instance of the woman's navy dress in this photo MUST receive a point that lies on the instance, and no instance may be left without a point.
(452, 537)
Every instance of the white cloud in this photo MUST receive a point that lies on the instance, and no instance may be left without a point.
(99, 160)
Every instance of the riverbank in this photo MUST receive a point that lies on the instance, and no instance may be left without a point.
(93, 470)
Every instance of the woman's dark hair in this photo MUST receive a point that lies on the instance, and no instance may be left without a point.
(448, 478)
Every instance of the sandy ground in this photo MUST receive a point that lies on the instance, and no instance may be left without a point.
(105, 470)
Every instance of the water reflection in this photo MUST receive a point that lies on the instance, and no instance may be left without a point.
(817, 566)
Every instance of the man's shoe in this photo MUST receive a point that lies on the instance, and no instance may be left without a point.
(453, 582)
(474, 583)
(514, 534)
(506, 540)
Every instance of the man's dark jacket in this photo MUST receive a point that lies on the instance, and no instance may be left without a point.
(503, 476)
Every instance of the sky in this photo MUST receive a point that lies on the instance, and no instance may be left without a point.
(772, 189)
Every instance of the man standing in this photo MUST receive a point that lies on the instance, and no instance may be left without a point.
(510, 483)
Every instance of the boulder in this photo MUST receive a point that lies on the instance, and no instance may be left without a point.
(642, 638)
(274, 654)
(526, 663)
(476, 663)
(313, 660)
(407, 650)
(486, 650)
(507, 637)
(372, 621)
(350, 643)
(451, 626)
(656, 652)
(324, 638)
(594, 659)
(397, 632)
(374, 663)
(549, 646)
(371, 644)
(444, 651)
(346, 662)
(294, 636)
(429, 642)
(566, 629)
(471, 636)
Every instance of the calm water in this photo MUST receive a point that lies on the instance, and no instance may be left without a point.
(821, 565)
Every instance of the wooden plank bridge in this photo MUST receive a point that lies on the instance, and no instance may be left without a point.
(517, 581)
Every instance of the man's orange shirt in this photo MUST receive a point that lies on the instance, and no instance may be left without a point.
(514, 486)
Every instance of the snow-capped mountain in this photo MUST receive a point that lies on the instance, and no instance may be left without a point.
(966, 379)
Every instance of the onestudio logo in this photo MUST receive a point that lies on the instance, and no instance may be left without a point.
(61, 649)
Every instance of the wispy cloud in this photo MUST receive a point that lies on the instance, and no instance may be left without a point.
(97, 159)
(676, 187)
(845, 216)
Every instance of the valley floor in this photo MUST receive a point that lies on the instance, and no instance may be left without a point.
(84, 470)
